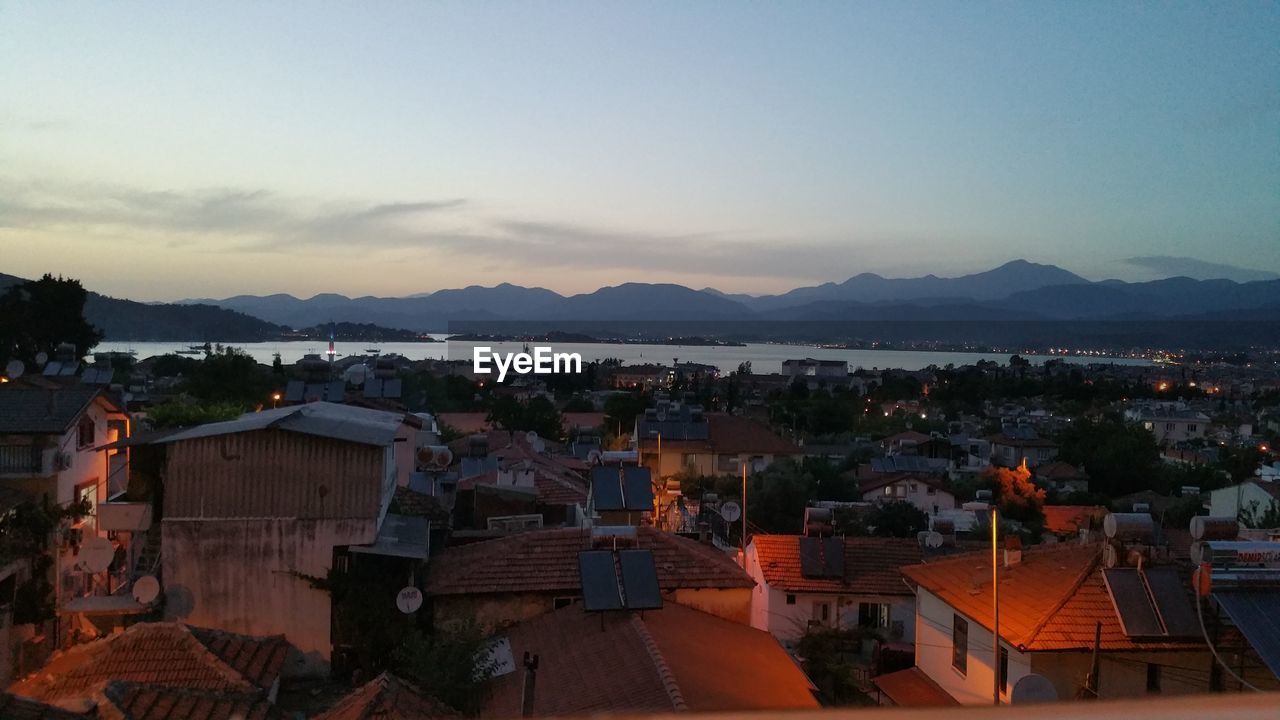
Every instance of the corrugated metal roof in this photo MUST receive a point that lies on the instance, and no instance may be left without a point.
(400, 536)
(323, 419)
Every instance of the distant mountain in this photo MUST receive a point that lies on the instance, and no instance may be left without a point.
(642, 301)
(1167, 298)
(1012, 277)
(837, 311)
(128, 320)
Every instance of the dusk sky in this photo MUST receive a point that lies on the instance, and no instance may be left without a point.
(171, 150)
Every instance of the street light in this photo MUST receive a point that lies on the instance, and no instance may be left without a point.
(275, 399)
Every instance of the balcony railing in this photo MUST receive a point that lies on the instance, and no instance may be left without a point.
(20, 460)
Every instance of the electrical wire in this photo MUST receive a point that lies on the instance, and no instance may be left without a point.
(1204, 631)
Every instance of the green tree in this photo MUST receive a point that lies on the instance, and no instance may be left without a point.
(1119, 457)
(896, 518)
(38, 315)
(179, 413)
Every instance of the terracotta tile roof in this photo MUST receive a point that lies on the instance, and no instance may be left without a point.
(547, 561)
(1051, 600)
(909, 436)
(676, 658)
(551, 489)
(1070, 519)
(165, 654)
(132, 701)
(1059, 471)
(387, 697)
(871, 565)
(912, 688)
(16, 708)
(737, 435)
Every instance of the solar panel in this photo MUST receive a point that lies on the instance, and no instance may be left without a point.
(811, 557)
(392, 388)
(335, 391)
(1170, 594)
(606, 488)
(637, 488)
(833, 557)
(1129, 595)
(373, 388)
(640, 579)
(1254, 613)
(69, 369)
(52, 368)
(599, 580)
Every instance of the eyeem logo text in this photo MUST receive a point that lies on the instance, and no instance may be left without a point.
(542, 361)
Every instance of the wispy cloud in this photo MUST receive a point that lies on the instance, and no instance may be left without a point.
(238, 220)
(1174, 266)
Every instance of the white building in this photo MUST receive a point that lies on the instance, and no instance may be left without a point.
(927, 493)
(1247, 501)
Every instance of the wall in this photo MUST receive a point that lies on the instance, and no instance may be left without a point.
(919, 498)
(1228, 501)
(242, 576)
(933, 653)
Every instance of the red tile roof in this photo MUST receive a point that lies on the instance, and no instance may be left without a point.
(1051, 600)
(1059, 471)
(16, 708)
(912, 688)
(676, 658)
(547, 561)
(131, 701)
(738, 435)
(871, 565)
(387, 697)
(464, 422)
(165, 654)
(1070, 519)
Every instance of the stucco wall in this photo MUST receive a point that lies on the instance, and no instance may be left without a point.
(239, 575)
(933, 653)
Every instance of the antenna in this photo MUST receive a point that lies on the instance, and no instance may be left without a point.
(146, 589)
(96, 554)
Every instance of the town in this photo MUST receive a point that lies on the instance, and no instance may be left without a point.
(335, 536)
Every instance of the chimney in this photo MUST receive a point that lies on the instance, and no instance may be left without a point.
(1012, 550)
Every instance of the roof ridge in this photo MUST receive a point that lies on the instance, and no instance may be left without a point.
(665, 675)
(217, 663)
(1066, 597)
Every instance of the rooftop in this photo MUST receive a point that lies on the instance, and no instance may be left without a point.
(323, 419)
(133, 701)
(39, 410)
(387, 697)
(676, 658)
(547, 561)
(163, 654)
(871, 565)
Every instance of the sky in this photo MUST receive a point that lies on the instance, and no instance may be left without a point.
(169, 150)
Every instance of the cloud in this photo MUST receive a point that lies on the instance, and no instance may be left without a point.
(453, 230)
(1172, 266)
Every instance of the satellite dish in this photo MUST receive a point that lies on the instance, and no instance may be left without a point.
(933, 540)
(14, 369)
(1033, 688)
(146, 589)
(1110, 558)
(593, 457)
(42, 357)
(96, 554)
(409, 599)
(531, 436)
(731, 511)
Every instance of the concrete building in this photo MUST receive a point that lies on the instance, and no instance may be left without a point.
(1248, 501)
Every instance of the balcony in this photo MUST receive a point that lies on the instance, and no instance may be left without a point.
(21, 460)
(124, 516)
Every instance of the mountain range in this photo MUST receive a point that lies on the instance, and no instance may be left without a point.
(1017, 290)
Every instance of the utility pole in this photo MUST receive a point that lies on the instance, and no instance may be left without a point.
(995, 609)
(744, 514)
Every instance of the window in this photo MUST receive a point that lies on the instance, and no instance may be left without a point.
(791, 599)
(960, 644)
(690, 459)
(1004, 669)
(873, 615)
(562, 602)
(1191, 428)
(1168, 426)
(888, 490)
(914, 488)
(1153, 678)
(933, 490)
(821, 612)
(85, 432)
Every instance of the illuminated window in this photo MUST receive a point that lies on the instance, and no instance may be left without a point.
(960, 644)
(85, 432)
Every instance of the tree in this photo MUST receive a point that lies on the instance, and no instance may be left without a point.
(186, 414)
(1017, 497)
(896, 518)
(230, 375)
(38, 315)
(1120, 458)
(621, 409)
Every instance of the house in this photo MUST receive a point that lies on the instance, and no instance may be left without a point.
(809, 367)
(903, 442)
(927, 493)
(1015, 444)
(255, 509)
(49, 438)
(665, 660)
(683, 439)
(507, 580)
(1061, 476)
(647, 377)
(797, 589)
(390, 697)
(1249, 501)
(1173, 425)
(160, 655)
(1054, 602)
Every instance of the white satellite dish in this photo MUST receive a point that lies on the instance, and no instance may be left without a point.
(409, 599)
(933, 539)
(1033, 688)
(593, 457)
(96, 554)
(14, 369)
(146, 589)
(731, 511)
(42, 358)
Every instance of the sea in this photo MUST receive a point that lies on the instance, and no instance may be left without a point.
(764, 357)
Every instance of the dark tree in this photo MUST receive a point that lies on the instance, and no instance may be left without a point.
(38, 315)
